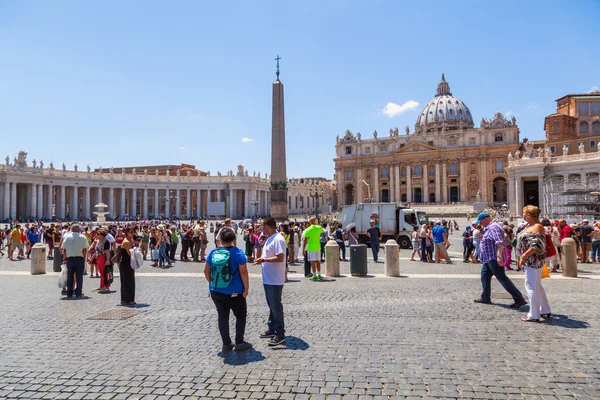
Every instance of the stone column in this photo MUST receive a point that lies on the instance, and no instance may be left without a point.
(408, 183)
(40, 200)
(49, 202)
(566, 182)
(7, 200)
(518, 194)
(99, 195)
(33, 196)
(397, 178)
(246, 202)
(145, 204)
(438, 183)
(512, 204)
(86, 207)
(133, 202)
(155, 211)
(444, 182)
(62, 202)
(425, 180)
(13, 200)
(231, 201)
(375, 193)
(167, 203)
(463, 181)
(483, 183)
(111, 202)
(188, 202)
(358, 189)
(583, 179)
(75, 207)
(391, 186)
(178, 203)
(122, 205)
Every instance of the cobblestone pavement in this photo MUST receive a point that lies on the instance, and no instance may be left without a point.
(348, 338)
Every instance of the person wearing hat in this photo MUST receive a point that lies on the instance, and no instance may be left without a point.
(440, 240)
(491, 256)
(467, 243)
(585, 237)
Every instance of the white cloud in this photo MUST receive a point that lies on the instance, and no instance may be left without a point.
(594, 89)
(247, 140)
(393, 109)
(532, 104)
(509, 113)
(182, 148)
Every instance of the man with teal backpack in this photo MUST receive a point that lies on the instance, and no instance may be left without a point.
(227, 275)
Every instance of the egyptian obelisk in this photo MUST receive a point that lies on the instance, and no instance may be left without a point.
(279, 200)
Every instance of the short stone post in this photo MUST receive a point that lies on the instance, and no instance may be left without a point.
(392, 258)
(332, 259)
(57, 261)
(568, 259)
(38, 259)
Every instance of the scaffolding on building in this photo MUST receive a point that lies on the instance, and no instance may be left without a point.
(571, 198)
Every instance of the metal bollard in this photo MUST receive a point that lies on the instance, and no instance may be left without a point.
(332, 259)
(38, 259)
(568, 258)
(392, 258)
(57, 261)
(358, 260)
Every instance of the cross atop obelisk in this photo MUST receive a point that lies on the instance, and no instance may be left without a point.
(278, 189)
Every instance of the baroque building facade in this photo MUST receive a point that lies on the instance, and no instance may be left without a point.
(446, 159)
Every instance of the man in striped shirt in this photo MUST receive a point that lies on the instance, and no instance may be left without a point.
(492, 257)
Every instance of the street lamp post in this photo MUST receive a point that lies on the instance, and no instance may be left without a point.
(255, 203)
(314, 193)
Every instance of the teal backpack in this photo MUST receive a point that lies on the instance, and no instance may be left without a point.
(220, 270)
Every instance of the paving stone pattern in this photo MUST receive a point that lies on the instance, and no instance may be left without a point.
(348, 338)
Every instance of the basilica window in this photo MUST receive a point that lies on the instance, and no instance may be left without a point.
(499, 137)
(452, 142)
(383, 147)
(431, 171)
(368, 174)
(471, 141)
(430, 143)
(499, 166)
(368, 150)
(596, 127)
(472, 167)
(348, 149)
(417, 170)
(553, 149)
(555, 128)
(403, 171)
(453, 168)
(348, 175)
(385, 172)
(583, 127)
(592, 144)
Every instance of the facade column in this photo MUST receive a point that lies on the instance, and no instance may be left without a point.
(444, 183)
(99, 194)
(188, 202)
(358, 190)
(397, 178)
(167, 203)
(231, 196)
(122, 204)
(33, 196)
(7, 200)
(49, 198)
(199, 204)
(178, 203)
(518, 194)
(425, 180)
(512, 204)
(246, 203)
(13, 200)
(583, 180)
(391, 185)
(438, 183)
(566, 182)
(155, 209)
(484, 184)
(87, 200)
(62, 202)
(111, 202)
(463, 181)
(40, 200)
(145, 204)
(375, 193)
(409, 183)
(133, 202)
(75, 203)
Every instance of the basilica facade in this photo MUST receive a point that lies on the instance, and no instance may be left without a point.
(445, 159)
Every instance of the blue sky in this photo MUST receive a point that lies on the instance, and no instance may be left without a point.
(145, 82)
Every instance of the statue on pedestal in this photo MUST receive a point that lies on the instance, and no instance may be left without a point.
(156, 174)
(407, 130)
(133, 171)
(75, 167)
(34, 163)
(64, 167)
(89, 169)
(41, 164)
(581, 148)
(510, 157)
(565, 149)
(7, 160)
(358, 135)
(548, 153)
(123, 173)
(51, 166)
(188, 174)
(478, 196)
(374, 134)
(218, 173)
(517, 155)
(146, 173)
(540, 152)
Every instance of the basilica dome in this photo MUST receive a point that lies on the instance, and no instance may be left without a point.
(444, 113)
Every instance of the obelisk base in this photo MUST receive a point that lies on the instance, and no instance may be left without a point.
(279, 205)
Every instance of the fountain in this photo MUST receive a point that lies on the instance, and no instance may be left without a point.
(101, 214)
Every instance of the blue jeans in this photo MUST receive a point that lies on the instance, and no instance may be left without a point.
(596, 250)
(375, 249)
(75, 267)
(162, 256)
(273, 294)
(491, 268)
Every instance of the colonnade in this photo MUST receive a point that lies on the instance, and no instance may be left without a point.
(76, 200)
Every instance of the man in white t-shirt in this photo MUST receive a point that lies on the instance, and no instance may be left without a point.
(227, 226)
(273, 274)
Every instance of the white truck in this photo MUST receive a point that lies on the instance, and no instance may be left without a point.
(396, 220)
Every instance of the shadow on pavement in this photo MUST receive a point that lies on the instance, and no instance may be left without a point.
(241, 357)
(564, 321)
(292, 343)
(138, 305)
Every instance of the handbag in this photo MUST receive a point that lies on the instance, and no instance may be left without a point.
(117, 257)
(545, 272)
(108, 274)
(155, 254)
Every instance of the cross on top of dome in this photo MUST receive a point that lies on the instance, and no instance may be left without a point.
(443, 87)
